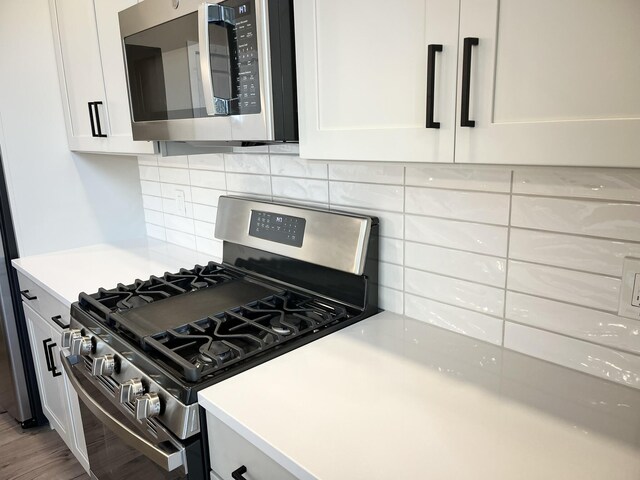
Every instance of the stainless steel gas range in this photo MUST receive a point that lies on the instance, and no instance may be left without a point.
(137, 354)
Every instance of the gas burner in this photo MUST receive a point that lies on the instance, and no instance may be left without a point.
(215, 352)
(283, 326)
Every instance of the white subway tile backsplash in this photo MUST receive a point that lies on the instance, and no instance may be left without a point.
(174, 175)
(154, 217)
(474, 237)
(391, 275)
(181, 224)
(150, 188)
(301, 189)
(148, 172)
(178, 161)
(204, 213)
(379, 197)
(291, 166)
(374, 173)
(256, 184)
(451, 237)
(186, 240)
(461, 293)
(208, 179)
(459, 320)
(600, 183)
(579, 253)
(152, 203)
(249, 163)
(206, 196)
(484, 179)
(455, 263)
(578, 322)
(582, 217)
(391, 299)
(209, 161)
(593, 359)
(586, 289)
(204, 229)
(471, 206)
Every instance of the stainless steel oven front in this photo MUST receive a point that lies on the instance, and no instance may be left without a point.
(118, 446)
(212, 71)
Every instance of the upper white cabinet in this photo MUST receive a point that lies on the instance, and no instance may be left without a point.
(92, 78)
(548, 82)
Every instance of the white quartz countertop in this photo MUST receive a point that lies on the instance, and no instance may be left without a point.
(395, 398)
(65, 274)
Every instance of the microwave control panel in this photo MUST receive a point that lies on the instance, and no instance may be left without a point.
(246, 40)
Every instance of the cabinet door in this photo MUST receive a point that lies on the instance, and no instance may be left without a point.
(362, 79)
(552, 82)
(52, 390)
(78, 443)
(117, 98)
(80, 70)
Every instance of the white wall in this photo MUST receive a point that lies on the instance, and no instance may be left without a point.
(58, 199)
(529, 258)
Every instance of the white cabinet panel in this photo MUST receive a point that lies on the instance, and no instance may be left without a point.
(362, 79)
(552, 82)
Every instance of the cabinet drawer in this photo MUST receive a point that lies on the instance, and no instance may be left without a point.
(229, 451)
(44, 303)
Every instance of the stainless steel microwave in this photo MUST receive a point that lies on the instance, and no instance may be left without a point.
(211, 71)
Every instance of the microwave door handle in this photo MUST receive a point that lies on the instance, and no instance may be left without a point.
(218, 13)
(169, 461)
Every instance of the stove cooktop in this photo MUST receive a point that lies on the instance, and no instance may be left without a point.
(203, 322)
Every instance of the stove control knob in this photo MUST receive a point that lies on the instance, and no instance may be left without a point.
(69, 335)
(147, 406)
(103, 365)
(80, 345)
(129, 390)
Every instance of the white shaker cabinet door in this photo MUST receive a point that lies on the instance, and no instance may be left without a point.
(552, 82)
(50, 381)
(362, 79)
(115, 83)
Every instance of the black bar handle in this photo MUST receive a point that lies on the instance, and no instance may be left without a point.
(25, 294)
(98, 126)
(93, 125)
(469, 43)
(54, 370)
(431, 83)
(238, 474)
(47, 353)
(57, 321)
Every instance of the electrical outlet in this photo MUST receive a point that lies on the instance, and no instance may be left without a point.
(630, 290)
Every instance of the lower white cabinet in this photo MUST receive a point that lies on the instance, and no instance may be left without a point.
(230, 452)
(59, 400)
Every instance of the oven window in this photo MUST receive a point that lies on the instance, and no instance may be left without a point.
(163, 69)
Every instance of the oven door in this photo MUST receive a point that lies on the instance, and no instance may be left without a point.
(198, 72)
(117, 447)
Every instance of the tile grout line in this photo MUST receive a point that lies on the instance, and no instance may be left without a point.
(506, 267)
(404, 238)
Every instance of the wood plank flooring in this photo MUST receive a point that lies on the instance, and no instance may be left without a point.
(35, 454)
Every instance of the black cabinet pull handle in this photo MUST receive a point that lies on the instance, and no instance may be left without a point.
(238, 474)
(431, 83)
(46, 354)
(54, 370)
(57, 321)
(469, 43)
(98, 126)
(94, 118)
(25, 294)
(93, 125)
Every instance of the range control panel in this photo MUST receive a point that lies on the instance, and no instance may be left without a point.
(277, 228)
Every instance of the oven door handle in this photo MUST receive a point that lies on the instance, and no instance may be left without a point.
(167, 460)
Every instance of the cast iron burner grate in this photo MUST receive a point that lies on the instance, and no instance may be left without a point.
(202, 348)
(140, 293)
